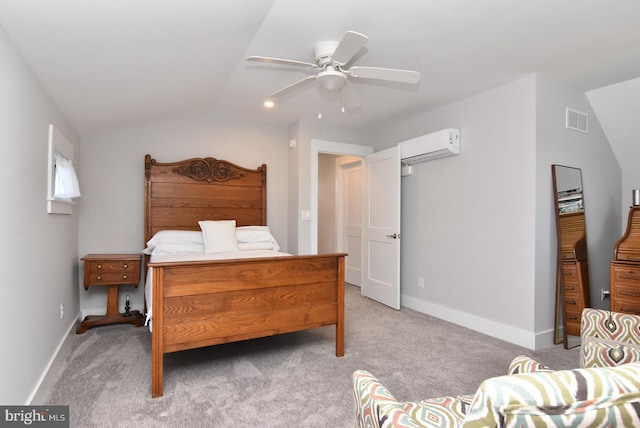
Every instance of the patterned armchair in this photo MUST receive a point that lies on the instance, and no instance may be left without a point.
(604, 392)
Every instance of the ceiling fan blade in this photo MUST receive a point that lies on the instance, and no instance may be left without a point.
(282, 61)
(293, 87)
(350, 98)
(350, 44)
(389, 74)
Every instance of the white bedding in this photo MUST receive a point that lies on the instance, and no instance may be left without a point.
(246, 254)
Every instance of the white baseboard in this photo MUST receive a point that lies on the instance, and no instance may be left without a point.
(45, 373)
(495, 329)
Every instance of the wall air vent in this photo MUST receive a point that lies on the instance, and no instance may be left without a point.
(577, 120)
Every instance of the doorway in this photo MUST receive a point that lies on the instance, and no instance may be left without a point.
(340, 210)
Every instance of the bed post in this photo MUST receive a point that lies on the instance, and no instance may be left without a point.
(340, 320)
(157, 336)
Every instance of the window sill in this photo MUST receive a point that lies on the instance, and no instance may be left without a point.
(59, 206)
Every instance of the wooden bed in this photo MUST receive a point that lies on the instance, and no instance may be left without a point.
(202, 303)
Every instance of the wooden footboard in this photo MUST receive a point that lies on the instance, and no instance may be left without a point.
(204, 303)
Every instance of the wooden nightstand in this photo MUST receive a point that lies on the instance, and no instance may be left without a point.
(111, 270)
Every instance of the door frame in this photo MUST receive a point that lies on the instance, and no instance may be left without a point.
(334, 148)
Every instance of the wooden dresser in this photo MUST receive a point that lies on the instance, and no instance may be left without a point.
(575, 270)
(625, 267)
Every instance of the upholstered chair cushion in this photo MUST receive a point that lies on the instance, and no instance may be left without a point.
(581, 397)
(609, 338)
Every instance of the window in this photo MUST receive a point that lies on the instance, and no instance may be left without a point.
(62, 182)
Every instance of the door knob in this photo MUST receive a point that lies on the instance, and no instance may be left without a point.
(394, 236)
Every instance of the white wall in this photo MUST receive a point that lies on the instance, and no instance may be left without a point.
(480, 227)
(468, 221)
(601, 177)
(301, 158)
(39, 260)
(617, 108)
(111, 214)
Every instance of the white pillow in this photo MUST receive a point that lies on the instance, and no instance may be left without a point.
(249, 246)
(219, 236)
(178, 248)
(254, 234)
(175, 237)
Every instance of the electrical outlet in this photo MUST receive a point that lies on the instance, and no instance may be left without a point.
(420, 282)
(61, 310)
(604, 293)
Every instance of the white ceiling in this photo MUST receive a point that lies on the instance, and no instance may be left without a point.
(116, 63)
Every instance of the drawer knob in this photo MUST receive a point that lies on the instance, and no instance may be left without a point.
(124, 276)
(99, 266)
(126, 266)
(98, 277)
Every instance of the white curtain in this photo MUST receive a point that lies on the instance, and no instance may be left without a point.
(65, 180)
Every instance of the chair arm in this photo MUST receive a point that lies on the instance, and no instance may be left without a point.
(377, 408)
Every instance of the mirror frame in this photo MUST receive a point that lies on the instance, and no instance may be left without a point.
(560, 309)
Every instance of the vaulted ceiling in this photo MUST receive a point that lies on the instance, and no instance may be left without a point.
(117, 63)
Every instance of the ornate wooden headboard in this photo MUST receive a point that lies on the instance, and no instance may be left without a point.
(179, 194)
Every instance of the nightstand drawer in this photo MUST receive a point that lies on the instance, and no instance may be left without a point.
(108, 269)
(113, 278)
(112, 266)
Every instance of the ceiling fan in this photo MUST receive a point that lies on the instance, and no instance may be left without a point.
(331, 58)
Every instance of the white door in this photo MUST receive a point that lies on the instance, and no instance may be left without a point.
(381, 227)
(350, 205)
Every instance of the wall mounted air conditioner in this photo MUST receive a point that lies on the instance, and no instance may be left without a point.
(431, 146)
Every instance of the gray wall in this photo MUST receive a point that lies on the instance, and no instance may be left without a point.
(480, 227)
(601, 177)
(617, 108)
(39, 262)
(111, 213)
(468, 221)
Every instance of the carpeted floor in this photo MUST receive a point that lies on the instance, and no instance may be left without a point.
(291, 380)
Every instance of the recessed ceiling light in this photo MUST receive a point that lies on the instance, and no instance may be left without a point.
(268, 104)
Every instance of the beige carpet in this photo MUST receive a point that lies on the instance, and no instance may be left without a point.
(292, 380)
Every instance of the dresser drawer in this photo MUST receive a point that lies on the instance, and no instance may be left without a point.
(628, 306)
(571, 289)
(570, 273)
(572, 315)
(625, 291)
(625, 274)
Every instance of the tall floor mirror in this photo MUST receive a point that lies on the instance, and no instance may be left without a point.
(572, 284)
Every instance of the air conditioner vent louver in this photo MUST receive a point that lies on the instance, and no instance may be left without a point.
(577, 120)
(431, 146)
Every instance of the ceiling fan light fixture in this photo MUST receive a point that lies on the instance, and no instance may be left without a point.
(331, 80)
